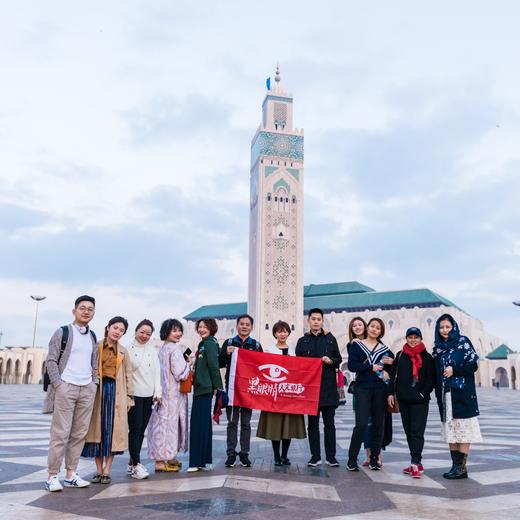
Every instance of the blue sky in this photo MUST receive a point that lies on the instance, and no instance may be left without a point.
(124, 151)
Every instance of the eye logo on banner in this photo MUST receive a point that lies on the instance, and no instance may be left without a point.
(275, 372)
(274, 383)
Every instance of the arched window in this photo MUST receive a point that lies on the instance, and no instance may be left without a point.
(294, 199)
(267, 326)
(269, 197)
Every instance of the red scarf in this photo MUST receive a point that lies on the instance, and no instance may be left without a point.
(414, 354)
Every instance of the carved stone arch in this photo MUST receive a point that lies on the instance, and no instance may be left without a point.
(428, 320)
(392, 320)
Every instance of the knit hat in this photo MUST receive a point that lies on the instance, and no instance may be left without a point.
(414, 331)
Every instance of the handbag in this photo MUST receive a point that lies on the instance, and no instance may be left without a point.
(395, 408)
(186, 385)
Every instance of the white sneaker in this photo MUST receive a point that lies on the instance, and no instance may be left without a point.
(207, 467)
(193, 469)
(53, 484)
(129, 469)
(139, 472)
(76, 482)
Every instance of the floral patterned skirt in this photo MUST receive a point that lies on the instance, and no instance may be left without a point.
(459, 430)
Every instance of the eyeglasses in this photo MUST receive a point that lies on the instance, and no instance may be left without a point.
(86, 309)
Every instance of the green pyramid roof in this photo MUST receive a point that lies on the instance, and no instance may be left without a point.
(501, 352)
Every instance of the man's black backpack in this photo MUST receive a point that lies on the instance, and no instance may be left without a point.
(64, 339)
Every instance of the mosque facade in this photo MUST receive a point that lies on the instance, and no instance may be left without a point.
(276, 289)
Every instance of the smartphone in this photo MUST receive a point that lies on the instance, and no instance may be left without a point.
(187, 353)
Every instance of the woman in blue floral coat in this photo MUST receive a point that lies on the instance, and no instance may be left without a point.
(456, 363)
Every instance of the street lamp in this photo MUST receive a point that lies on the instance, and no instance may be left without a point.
(37, 299)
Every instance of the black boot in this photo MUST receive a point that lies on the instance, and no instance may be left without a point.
(458, 471)
(453, 459)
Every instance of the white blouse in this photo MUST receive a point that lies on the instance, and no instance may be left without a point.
(146, 371)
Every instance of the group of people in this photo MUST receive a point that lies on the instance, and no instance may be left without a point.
(104, 396)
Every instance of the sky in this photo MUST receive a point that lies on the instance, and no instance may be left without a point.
(125, 130)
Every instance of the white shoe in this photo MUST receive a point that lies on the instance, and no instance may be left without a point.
(76, 482)
(207, 467)
(53, 484)
(139, 472)
(193, 470)
(129, 469)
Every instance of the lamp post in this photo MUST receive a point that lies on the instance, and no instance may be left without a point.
(37, 299)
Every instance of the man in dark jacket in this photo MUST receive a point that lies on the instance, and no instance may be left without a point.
(320, 344)
(234, 413)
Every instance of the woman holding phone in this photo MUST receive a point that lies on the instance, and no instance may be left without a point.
(168, 430)
(370, 359)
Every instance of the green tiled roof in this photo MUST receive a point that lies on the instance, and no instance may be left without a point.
(501, 352)
(220, 310)
(327, 289)
(332, 301)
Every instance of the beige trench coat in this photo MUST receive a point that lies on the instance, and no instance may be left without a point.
(124, 389)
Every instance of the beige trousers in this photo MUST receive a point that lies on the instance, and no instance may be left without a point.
(73, 406)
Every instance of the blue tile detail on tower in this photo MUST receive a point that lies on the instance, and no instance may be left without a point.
(294, 172)
(277, 145)
(270, 169)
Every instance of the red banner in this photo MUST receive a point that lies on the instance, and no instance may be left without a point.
(274, 383)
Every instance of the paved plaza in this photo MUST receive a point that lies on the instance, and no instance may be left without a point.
(265, 491)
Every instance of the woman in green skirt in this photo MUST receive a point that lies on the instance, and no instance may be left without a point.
(280, 428)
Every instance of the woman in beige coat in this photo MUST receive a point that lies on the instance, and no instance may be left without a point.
(108, 431)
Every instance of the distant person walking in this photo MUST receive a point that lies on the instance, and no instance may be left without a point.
(456, 362)
(72, 367)
(280, 428)
(236, 413)
(146, 379)
(206, 382)
(108, 431)
(413, 379)
(168, 430)
(371, 360)
(317, 343)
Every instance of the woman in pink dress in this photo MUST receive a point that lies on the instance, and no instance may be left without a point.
(168, 428)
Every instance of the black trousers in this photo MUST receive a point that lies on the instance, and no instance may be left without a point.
(234, 413)
(414, 417)
(370, 402)
(201, 431)
(138, 418)
(329, 430)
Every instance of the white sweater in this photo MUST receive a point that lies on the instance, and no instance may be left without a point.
(146, 373)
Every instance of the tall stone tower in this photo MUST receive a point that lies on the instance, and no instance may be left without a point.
(276, 219)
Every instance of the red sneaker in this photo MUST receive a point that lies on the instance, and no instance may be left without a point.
(415, 473)
(408, 470)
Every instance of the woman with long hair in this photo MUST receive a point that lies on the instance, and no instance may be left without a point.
(370, 359)
(168, 430)
(108, 431)
(146, 378)
(206, 382)
(456, 362)
(280, 428)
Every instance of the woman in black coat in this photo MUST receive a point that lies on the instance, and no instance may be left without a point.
(412, 383)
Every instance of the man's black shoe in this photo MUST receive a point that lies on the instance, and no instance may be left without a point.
(277, 461)
(230, 461)
(286, 461)
(332, 462)
(352, 465)
(374, 465)
(244, 460)
(314, 461)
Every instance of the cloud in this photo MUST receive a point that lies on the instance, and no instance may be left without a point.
(124, 151)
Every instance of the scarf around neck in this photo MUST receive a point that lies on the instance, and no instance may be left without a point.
(414, 353)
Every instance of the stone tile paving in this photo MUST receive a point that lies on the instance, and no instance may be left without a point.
(265, 491)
